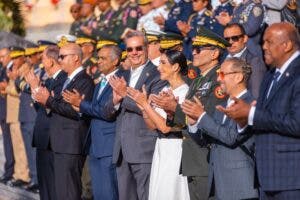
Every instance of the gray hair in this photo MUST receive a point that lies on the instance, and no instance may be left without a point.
(52, 51)
(131, 34)
(115, 52)
(241, 65)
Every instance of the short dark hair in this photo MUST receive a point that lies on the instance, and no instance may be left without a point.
(231, 25)
(241, 65)
(174, 57)
(52, 51)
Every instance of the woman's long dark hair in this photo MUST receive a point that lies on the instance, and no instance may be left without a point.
(174, 57)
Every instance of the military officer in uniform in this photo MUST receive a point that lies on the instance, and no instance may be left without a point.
(75, 12)
(146, 20)
(201, 17)
(88, 17)
(207, 49)
(251, 14)
(225, 6)
(102, 21)
(63, 39)
(180, 11)
(124, 20)
(173, 41)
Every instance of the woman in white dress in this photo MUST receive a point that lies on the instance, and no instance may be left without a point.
(166, 182)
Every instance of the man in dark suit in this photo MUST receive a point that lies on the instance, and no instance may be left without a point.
(231, 166)
(103, 128)
(68, 128)
(5, 61)
(236, 36)
(41, 135)
(275, 119)
(134, 145)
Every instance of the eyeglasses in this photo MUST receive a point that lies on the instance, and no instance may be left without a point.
(138, 48)
(61, 57)
(234, 38)
(198, 49)
(222, 75)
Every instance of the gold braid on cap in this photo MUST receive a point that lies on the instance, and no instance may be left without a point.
(83, 40)
(200, 41)
(63, 41)
(14, 54)
(101, 43)
(152, 38)
(31, 51)
(166, 44)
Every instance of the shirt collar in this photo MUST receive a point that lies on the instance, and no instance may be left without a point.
(239, 54)
(230, 101)
(110, 74)
(139, 69)
(75, 72)
(201, 11)
(287, 63)
(56, 74)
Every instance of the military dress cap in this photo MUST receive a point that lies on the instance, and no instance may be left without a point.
(105, 41)
(16, 51)
(31, 50)
(43, 44)
(170, 39)
(64, 39)
(143, 2)
(206, 37)
(82, 40)
(152, 35)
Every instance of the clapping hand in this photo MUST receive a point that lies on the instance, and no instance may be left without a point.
(183, 27)
(73, 97)
(41, 95)
(193, 109)
(224, 18)
(118, 85)
(165, 100)
(32, 80)
(139, 97)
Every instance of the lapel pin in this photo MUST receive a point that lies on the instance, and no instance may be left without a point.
(287, 74)
(147, 74)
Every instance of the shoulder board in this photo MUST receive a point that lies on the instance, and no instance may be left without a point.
(93, 60)
(208, 13)
(191, 17)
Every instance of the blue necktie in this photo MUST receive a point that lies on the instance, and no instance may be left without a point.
(66, 84)
(102, 85)
(273, 83)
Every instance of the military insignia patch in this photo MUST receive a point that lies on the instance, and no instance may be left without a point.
(257, 11)
(219, 93)
(133, 13)
(192, 74)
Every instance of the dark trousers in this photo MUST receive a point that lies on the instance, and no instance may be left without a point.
(8, 150)
(104, 178)
(198, 187)
(45, 174)
(67, 176)
(280, 195)
(27, 133)
(133, 180)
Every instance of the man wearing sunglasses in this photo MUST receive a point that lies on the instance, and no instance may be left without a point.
(236, 36)
(134, 143)
(229, 149)
(207, 50)
(68, 128)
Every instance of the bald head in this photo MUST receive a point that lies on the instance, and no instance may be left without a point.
(281, 40)
(70, 57)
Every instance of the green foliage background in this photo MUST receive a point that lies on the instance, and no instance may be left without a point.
(11, 17)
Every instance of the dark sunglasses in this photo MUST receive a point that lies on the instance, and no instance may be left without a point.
(198, 49)
(138, 48)
(234, 38)
(61, 57)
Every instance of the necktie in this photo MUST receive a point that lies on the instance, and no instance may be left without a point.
(102, 85)
(274, 82)
(66, 83)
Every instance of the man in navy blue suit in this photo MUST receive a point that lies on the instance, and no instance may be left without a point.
(275, 120)
(102, 129)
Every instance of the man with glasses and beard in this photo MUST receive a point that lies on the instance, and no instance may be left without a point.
(236, 36)
(134, 145)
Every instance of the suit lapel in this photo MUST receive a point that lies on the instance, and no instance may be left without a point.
(287, 75)
(144, 75)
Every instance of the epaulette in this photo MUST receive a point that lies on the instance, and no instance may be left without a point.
(93, 60)
(191, 17)
(208, 13)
